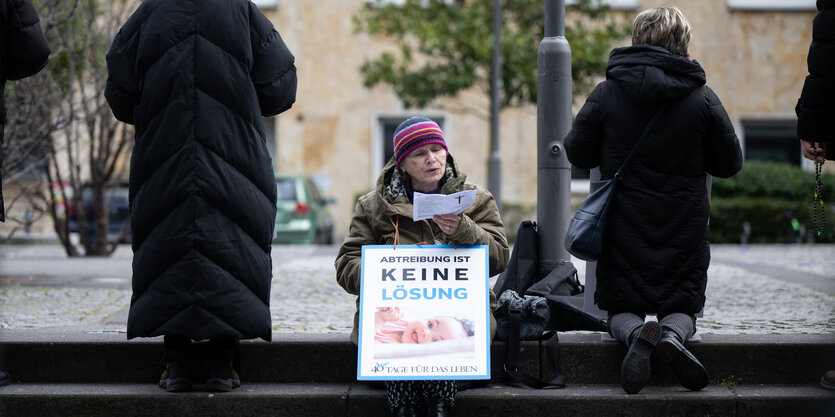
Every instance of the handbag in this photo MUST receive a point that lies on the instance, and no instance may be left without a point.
(533, 314)
(586, 233)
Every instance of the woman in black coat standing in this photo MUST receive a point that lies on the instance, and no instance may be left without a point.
(195, 78)
(23, 53)
(656, 254)
(816, 105)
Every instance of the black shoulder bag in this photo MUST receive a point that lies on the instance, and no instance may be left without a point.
(587, 229)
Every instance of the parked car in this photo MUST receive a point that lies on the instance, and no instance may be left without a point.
(118, 219)
(302, 216)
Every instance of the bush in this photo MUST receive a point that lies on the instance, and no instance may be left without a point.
(772, 198)
(512, 216)
(770, 221)
(772, 180)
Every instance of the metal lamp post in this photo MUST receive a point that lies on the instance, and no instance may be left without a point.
(554, 87)
(495, 179)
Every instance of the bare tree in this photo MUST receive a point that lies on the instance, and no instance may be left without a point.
(62, 137)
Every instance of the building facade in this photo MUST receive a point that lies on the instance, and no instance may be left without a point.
(754, 53)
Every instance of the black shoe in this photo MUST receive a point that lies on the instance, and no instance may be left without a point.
(5, 379)
(221, 377)
(688, 370)
(828, 380)
(434, 407)
(404, 411)
(175, 378)
(635, 370)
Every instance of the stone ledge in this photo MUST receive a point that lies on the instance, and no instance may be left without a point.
(70, 355)
(127, 400)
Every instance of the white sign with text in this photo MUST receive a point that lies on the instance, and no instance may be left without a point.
(424, 313)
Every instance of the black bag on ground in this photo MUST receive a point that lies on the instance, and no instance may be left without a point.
(564, 293)
(561, 290)
(521, 271)
(534, 315)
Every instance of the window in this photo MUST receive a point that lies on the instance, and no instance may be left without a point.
(617, 4)
(799, 5)
(614, 4)
(382, 148)
(286, 188)
(771, 140)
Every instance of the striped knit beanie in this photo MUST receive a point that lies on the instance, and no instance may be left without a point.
(414, 133)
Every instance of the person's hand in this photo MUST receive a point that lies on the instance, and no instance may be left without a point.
(389, 313)
(448, 223)
(815, 154)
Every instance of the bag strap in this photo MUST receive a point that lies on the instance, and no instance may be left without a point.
(510, 366)
(644, 134)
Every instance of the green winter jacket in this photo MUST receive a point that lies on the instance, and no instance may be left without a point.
(377, 215)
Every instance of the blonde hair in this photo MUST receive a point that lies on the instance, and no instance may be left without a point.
(663, 26)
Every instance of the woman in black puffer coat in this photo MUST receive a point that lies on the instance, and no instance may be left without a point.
(816, 105)
(656, 254)
(195, 77)
(23, 53)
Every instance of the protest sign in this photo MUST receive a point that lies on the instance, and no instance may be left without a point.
(424, 313)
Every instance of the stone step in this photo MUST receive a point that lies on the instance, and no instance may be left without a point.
(359, 399)
(77, 357)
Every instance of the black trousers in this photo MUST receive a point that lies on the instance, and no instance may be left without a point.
(414, 392)
(178, 349)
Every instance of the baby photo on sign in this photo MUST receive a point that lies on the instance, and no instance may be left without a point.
(421, 333)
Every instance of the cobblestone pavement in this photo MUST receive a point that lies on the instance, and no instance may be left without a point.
(764, 289)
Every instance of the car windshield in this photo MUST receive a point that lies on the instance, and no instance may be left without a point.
(114, 193)
(286, 189)
(119, 194)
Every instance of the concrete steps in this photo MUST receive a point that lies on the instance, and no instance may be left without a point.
(72, 372)
(332, 399)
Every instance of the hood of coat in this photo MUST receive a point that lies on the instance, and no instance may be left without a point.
(652, 75)
(400, 204)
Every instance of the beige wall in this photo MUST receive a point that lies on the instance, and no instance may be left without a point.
(330, 129)
(755, 61)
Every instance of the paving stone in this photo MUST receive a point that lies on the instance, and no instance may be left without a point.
(757, 289)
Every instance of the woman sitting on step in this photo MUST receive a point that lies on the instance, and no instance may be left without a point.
(420, 163)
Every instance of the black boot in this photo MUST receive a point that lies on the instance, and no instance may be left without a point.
(221, 375)
(407, 410)
(176, 376)
(635, 369)
(435, 407)
(688, 370)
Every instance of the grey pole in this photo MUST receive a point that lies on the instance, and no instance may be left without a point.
(553, 190)
(495, 179)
